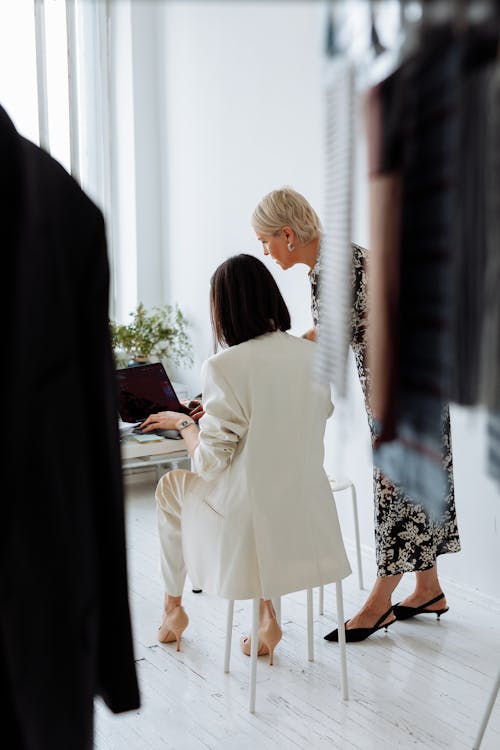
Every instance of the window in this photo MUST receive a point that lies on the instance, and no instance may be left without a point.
(53, 84)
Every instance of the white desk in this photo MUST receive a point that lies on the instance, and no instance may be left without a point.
(146, 455)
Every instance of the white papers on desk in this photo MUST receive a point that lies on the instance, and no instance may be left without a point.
(146, 438)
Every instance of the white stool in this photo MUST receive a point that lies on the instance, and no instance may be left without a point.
(338, 486)
(310, 639)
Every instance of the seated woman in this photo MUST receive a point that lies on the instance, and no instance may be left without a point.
(256, 517)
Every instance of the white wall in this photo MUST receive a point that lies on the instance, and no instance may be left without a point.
(239, 86)
(235, 131)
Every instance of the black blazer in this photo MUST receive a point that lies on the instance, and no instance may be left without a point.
(65, 633)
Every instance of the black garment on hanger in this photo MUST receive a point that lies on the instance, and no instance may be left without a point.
(65, 633)
(470, 243)
(435, 134)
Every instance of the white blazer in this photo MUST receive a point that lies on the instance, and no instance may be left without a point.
(261, 520)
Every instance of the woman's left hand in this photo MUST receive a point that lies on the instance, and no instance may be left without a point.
(197, 410)
(162, 420)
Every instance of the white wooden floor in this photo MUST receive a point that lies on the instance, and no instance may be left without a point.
(423, 684)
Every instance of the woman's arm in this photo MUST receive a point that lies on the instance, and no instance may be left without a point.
(223, 425)
(172, 420)
(191, 435)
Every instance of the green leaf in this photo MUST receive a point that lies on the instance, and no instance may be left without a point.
(160, 333)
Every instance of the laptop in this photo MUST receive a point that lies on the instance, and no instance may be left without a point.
(145, 390)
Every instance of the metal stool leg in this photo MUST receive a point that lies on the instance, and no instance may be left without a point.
(339, 487)
(253, 653)
(229, 633)
(341, 629)
(310, 626)
(321, 607)
(310, 641)
(487, 713)
(356, 534)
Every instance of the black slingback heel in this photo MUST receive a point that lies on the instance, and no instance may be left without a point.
(404, 613)
(359, 634)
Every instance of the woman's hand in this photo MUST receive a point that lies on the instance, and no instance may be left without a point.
(310, 335)
(163, 420)
(197, 410)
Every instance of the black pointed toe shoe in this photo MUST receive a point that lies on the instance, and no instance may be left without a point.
(404, 613)
(359, 634)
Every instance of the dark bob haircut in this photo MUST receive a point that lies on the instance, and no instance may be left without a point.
(245, 301)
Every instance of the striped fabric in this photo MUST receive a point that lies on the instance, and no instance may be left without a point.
(470, 247)
(490, 341)
(336, 252)
(493, 466)
(490, 335)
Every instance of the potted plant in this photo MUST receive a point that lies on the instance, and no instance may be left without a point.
(158, 333)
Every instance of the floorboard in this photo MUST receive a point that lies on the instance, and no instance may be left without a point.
(423, 684)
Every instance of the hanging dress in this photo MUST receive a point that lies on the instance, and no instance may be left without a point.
(406, 538)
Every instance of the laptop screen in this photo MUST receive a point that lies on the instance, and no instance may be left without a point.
(145, 390)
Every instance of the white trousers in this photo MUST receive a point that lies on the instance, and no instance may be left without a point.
(170, 493)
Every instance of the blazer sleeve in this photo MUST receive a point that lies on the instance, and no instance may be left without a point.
(222, 426)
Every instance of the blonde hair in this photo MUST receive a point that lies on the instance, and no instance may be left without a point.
(286, 208)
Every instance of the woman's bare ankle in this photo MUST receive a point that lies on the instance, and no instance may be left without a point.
(171, 602)
(266, 610)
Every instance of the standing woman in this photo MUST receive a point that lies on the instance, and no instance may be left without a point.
(406, 538)
(255, 519)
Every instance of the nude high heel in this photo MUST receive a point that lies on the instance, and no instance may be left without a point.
(270, 635)
(173, 625)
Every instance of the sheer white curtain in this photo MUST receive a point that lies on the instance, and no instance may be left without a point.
(54, 83)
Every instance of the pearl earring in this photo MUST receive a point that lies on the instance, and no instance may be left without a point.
(290, 247)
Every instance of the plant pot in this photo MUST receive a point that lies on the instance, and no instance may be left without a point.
(136, 361)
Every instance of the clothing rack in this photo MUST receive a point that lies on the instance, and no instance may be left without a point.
(417, 23)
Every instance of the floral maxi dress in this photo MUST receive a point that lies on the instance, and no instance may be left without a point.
(406, 539)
